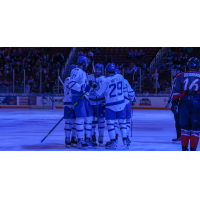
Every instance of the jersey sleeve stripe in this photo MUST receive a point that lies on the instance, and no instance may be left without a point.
(73, 83)
(115, 103)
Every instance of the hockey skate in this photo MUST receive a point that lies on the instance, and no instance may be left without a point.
(67, 142)
(176, 139)
(90, 144)
(100, 140)
(81, 144)
(126, 144)
(128, 140)
(111, 145)
(184, 149)
(116, 139)
(73, 142)
(93, 139)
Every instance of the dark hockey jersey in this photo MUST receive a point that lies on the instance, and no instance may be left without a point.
(186, 84)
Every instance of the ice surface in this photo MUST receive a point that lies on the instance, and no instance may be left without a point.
(23, 130)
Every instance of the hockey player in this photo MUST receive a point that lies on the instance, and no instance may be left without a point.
(70, 117)
(177, 69)
(112, 88)
(186, 92)
(83, 110)
(129, 96)
(97, 105)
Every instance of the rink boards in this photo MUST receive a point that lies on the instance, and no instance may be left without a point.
(57, 102)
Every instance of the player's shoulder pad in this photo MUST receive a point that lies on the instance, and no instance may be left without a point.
(76, 70)
(179, 74)
(67, 79)
(125, 80)
(119, 75)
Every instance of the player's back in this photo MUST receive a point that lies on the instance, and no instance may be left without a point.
(114, 92)
(187, 84)
(67, 93)
(94, 99)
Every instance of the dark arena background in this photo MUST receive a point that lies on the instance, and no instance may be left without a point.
(32, 94)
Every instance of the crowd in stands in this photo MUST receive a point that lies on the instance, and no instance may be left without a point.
(37, 61)
(175, 56)
(33, 60)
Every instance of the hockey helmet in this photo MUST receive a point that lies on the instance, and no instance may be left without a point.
(99, 69)
(193, 63)
(110, 67)
(82, 60)
(72, 67)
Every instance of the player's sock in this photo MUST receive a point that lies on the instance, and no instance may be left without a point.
(101, 127)
(111, 129)
(68, 128)
(123, 129)
(74, 133)
(80, 128)
(93, 129)
(116, 138)
(194, 140)
(88, 126)
(185, 137)
(116, 127)
(128, 125)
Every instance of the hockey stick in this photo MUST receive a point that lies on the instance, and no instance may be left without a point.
(60, 80)
(132, 119)
(63, 117)
(96, 96)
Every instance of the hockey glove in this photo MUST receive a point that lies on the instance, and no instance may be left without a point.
(134, 100)
(174, 107)
(85, 88)
(94, 86)
(167, 106)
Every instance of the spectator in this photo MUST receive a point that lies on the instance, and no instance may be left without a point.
(90, 54)
(136, 53)
(131, 54)
(145, 92)
(80, 53)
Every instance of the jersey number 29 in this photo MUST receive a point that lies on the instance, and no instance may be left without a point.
(117, 85)
(193, 86)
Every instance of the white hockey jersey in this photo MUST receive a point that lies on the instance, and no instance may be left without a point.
(113, 89)
(129, 94)
(77, 78)
(94, 99)
(67, 93)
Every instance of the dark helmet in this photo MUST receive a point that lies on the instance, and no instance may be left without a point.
(72, 67)
(110, 67)
(83, 60)
(193, 63)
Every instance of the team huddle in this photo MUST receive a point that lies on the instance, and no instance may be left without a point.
(106, 100)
